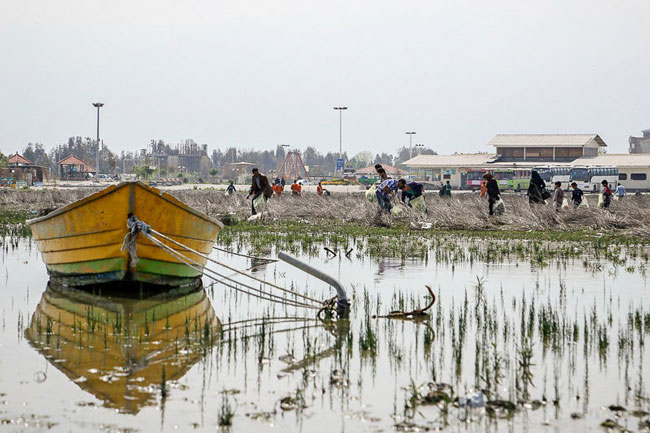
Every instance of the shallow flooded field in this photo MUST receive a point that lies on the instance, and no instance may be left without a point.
(523, 336)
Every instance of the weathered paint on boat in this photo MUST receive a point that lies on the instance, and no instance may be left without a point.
(81, 243)
(115, 348)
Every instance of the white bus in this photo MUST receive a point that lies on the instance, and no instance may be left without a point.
(634, 179)
(590, 178)
(552, 174)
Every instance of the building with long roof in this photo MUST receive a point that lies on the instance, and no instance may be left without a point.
(522, 152)
(545, 147)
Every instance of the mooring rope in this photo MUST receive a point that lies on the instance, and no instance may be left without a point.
(244, 255)
(300, 295)
(200, 268)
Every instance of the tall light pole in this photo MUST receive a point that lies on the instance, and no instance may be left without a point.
(340, 110)
(98, 105)
(419, 148)
(410, 134)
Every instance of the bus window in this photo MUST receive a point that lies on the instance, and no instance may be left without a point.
(579, 174)
(638, 176)
(475, 175)
(622, 176)
(503, 175)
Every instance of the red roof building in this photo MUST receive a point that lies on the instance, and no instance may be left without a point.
(370, 171)
(19, 160)
(73, 168)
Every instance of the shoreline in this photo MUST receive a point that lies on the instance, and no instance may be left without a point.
(352, 215)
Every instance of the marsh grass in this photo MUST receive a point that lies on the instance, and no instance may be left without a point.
(467, 212)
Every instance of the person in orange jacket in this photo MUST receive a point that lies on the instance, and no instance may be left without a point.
(483, 188)
(296, 188)
(277, 189)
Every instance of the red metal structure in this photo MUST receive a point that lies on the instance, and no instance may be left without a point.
(292, 167)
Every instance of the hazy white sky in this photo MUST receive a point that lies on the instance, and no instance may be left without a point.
(255, 73)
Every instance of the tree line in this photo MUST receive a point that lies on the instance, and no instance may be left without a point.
(319, 163)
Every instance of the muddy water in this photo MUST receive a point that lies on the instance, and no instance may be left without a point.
(563, 342)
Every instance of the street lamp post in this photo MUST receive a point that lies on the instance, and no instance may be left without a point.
(340, 110)
(97, 105)
(410, 134)
(419, 148)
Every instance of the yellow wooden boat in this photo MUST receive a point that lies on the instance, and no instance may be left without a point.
(116, 348)
(81, 243)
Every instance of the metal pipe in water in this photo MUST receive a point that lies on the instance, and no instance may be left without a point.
(342, 302)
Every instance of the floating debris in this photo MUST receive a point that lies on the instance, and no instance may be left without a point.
(338, 379)
(409, 427)
(288, 359)
(500, 408)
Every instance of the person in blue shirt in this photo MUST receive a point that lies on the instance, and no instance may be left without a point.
(385, 189)
(620, 191)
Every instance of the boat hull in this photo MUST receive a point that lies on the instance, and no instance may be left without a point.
(81, 243)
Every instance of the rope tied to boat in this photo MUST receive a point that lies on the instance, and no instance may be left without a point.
(129, 244)
(182, 254)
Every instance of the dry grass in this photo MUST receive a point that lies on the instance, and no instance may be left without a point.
(461, 212)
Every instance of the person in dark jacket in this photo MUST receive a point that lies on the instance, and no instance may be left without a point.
(410, 190)
(231, 189)
(576, 195)
(259, 186)
(493, 192)
(536, 188)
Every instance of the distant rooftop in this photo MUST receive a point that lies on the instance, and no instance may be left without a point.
(371, 170)
(455, 160)
(545, 140)
(617, 159)
(73, 160)
(17, 159)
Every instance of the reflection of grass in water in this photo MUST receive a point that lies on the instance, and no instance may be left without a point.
(510, 341)
(226, 412)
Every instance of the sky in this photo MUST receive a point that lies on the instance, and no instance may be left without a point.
(257, 73)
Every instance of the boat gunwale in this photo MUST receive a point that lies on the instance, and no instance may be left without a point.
(111, 189)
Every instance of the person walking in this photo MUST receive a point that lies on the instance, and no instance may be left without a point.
(231, 189)
(493, 192)
(537, 189)
(576, 195)
(259, 187)
(620, 191)
(607, 194)
(558, 196)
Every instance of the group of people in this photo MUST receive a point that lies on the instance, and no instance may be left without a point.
(412, 192)
(261, 190)
(537, 193)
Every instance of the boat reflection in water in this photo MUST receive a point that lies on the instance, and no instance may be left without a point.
(118, 348)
